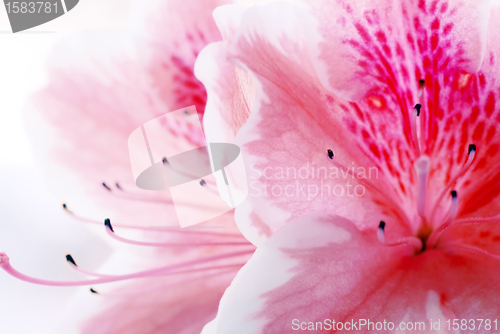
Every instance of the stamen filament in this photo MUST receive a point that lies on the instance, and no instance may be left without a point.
(413, 241)
(74, 266)
(476, 220)
(433, 238)
(111, 233)
(471, 249)
(414, 118)
(421, 86)
(205, 186)
(6, 266)
(185, 271)
(470, 159)
(167, 229)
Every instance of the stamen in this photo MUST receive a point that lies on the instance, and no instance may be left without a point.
(118, 186)
(107, 223)
(454, 206)
(470, 159)
(381, 232)
(422, 166)
(211, 190)
(93, 291)
(330, 154)
(73, 266)
(433, 238)
(417, 108)
(348, 171)
(414, 118)
(70, 259)
(185, 271)
(111, 233)
(166, 229)
(412, 241)
(6, 266)
(421, 86)
(106, 186)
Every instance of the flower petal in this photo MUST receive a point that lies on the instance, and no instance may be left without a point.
(231, 92)
(368, 43)
(482, 186)
(291, 125)
(321, 267)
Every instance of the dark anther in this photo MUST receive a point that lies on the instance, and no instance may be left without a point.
(107, 223)
(202, 183)
(106, 186)
(472, 147)
(381, 225)
(65, 207)
(118, 186)
(453, 194)
(164, 160)
(330, 154)
(70, 259)
(186, 112)
(417, 108)
(93, 291)
(421, 83)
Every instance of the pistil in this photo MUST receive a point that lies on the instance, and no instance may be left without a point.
(422, 167)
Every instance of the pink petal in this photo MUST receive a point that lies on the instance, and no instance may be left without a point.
(322, 267)
(361, 45)
(483, 185)
(231, 93)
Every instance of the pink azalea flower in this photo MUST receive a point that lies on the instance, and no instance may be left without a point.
(335, 89)
(101, 87)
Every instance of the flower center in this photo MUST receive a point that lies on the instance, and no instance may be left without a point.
(430, 229)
